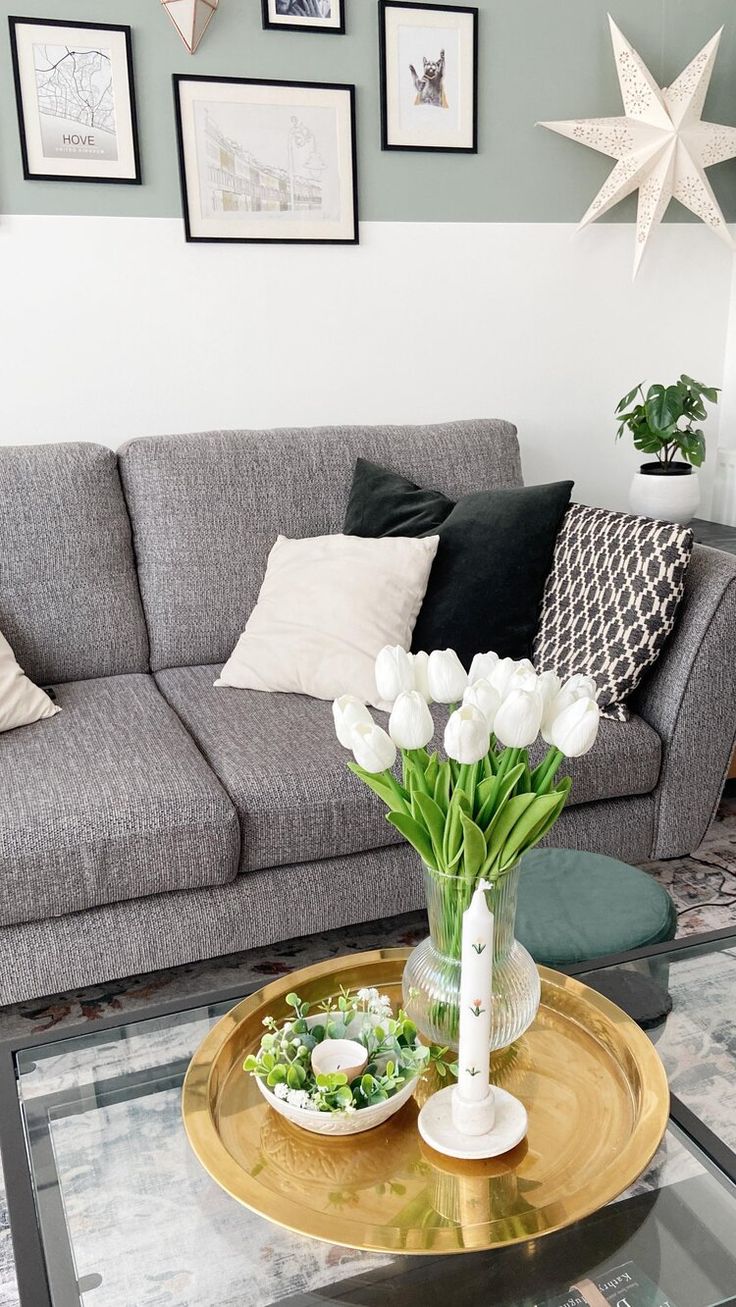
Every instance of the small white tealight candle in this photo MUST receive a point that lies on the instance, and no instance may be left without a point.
(345, 1055)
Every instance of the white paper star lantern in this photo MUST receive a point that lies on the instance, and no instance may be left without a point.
(661, 145)
(190, 18)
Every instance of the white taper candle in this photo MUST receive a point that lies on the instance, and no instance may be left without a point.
(476, 980)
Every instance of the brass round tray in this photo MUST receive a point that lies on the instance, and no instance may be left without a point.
(592, 1083)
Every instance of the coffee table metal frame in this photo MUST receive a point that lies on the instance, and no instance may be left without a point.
(37, 1277)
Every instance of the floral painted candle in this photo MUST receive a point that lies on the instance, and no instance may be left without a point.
(475, 999)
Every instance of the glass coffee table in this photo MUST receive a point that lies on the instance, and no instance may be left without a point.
(109, 1207)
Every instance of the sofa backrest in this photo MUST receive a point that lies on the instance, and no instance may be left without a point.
(69, 599)
(206, 510)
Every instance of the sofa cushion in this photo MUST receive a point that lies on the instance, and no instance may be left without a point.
(69, 600)
(495, 553)
(279, 760)
(206, 510)
(611, 599)
(21, 702)
(109, 800)
(327, 607)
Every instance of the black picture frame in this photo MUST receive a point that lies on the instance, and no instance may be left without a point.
(14, 22)
(347, 88)
(270, 25)
(383, 7)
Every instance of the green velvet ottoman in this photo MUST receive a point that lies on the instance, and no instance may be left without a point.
(574, 907)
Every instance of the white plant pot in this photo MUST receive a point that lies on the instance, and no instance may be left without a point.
(666, 498)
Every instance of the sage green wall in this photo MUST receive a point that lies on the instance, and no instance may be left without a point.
(538, 59)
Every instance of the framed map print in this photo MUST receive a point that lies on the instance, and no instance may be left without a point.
(76, 101)
(429, 76)
(267, 160)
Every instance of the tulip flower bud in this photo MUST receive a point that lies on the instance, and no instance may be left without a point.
(575, 729)
(549, 685)
(467, 737)
(523, 677)
(482, 666)
(420, 662)
(517, 721)
(446, 675)
(581, 687)
(373, 749)
(394, 672)
(483, 696)
(347, 711)
(574, 689)
(509, 675)
(410, 724)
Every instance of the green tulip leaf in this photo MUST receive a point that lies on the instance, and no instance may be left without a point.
(433, 818)
(431, 772)
(453, 839)
(474, 847)
(414, 768)
(396, 798)
(443, 787)
(524, 833)
(415, 834)
(507, 819)
(506, 787)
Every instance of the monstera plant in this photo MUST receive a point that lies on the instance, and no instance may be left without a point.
(665, 421)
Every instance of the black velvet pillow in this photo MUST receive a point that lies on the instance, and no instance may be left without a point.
(495, 553)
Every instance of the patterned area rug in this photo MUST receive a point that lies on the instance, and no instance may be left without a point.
(703, 887)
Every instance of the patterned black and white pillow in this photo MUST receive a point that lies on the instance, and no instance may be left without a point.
(610, 600)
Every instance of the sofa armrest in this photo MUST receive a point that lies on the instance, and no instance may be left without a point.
(689, 697)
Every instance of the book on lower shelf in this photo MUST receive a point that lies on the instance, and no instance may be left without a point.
(619, 1286)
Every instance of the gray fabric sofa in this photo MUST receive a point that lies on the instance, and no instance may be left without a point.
(157, 820)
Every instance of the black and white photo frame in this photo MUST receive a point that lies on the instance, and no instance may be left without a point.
(305, 15)
(267, 161)
(429, 76)
(76, 100)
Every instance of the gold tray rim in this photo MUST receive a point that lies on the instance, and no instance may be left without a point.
(212, 1154)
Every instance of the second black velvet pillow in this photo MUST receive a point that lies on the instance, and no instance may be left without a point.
(495, 553)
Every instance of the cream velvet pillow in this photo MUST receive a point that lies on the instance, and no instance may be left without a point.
(21, 702)
(327, 606)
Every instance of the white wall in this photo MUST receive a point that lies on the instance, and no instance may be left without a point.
(114, 327)
(728, 399)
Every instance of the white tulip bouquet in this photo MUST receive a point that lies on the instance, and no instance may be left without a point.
(472, 815)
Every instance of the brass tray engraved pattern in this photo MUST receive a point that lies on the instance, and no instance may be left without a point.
(592, 1083)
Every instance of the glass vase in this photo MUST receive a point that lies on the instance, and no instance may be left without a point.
(432, 974)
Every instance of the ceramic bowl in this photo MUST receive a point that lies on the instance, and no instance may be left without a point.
(339, 1123)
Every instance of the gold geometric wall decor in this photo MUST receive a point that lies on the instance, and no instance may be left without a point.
(190, 18)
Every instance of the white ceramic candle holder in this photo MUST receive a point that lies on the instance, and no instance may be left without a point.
(471, 1130)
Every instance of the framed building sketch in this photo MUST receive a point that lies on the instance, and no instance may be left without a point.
(267, 160)
(76, 100)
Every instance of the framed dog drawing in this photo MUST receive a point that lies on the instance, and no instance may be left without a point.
(429, 76)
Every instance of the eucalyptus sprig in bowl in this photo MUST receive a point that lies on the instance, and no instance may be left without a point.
(336, 1102)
